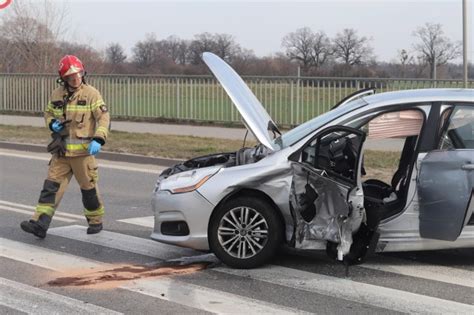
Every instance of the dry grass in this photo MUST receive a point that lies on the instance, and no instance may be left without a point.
(378, 164)
(168, 146)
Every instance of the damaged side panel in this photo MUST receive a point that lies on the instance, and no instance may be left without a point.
(323, 209)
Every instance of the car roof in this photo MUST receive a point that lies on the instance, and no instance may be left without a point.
(422, 95)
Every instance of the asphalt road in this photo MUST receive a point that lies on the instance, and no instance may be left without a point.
(50, 276)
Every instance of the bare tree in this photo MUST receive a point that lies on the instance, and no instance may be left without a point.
(174, 48)
(115, 57)
(202, 42)
(9, 59)
(145, 52)
(299, 46)
(321, 49)
(435, 48)
(222, 45)
(404, 60)
(32, 31)
(226, 47)
(309, 49)
(115, 54)
(352, 49)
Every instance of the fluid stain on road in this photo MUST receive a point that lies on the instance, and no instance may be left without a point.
(111, 278)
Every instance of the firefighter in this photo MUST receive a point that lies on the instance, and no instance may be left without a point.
(79, 121)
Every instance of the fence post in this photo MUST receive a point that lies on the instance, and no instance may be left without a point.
(298, 96)
(42, 94)
(4, 93)
(128, 96)
(291, 102)
(178, 99)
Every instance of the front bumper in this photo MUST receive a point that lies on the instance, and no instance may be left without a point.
(192, 208)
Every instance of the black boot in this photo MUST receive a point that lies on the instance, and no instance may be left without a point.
(37, 228)
(94, 228)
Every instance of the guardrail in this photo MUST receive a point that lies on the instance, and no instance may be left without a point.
(289, 100)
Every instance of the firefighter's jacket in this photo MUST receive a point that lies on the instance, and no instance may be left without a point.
(90, 118)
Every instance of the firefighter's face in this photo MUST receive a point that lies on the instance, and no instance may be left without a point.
(74, 80)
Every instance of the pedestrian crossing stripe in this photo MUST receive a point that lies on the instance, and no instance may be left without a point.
(386, 264)
(128, 243)
(302, 280)
(32, 300)
(30, 210)
(148, 222)
(60, 213)
(359, 292)
(168, 289)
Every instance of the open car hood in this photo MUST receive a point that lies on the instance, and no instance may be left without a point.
(254, 116)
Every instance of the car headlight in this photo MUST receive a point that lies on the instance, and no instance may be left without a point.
(192, 187)
(186, 181)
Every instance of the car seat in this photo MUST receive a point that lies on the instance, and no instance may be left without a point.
(385, 199)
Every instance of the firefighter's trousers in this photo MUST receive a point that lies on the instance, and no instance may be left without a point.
(61, 169)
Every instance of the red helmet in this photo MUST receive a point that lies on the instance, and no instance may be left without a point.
(69, 65)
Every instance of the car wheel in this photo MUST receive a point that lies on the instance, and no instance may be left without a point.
(245, 232)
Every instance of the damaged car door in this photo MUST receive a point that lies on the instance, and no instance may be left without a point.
(326, 198)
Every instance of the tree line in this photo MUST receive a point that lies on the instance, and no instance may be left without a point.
(31, 42)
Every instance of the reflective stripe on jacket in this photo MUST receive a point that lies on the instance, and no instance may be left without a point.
(88, 113)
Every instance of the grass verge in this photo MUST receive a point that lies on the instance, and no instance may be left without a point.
(168, 146)
(379, 164)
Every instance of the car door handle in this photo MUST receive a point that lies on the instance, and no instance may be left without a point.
(468, 167)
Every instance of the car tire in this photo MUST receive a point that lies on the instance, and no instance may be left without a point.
(245, 246)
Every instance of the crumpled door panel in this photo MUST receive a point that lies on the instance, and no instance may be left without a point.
(321, 210)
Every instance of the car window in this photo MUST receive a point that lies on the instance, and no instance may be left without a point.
(460, 132)
(308, 127)
(335, 152)
(399, 124)
(388, 134)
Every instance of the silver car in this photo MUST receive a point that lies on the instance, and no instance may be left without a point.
(317, 186)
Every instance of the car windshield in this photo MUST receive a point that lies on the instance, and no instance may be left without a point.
(306, 128)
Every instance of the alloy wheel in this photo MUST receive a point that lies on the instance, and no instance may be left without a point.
(242, 232)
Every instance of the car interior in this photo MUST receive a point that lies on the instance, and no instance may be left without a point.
(385, 172)
(386, 187)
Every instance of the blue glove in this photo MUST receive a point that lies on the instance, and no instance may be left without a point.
(57, 126)
(94, 147)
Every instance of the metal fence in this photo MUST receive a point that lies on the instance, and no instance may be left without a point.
(289, 100)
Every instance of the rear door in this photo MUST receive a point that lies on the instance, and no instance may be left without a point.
(326, 198)
(445, 183)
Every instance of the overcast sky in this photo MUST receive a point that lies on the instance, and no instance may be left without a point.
(261, 25)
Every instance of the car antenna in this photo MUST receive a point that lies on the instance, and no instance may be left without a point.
(245, 138)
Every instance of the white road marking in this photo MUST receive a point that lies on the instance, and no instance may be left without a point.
(123, 242)
(206, 299)
(331, 286)
(148, 222)
(30, 213)
(167, 289)
(360, 292)
(425, 271)
(102, 164)
(20, 205)
(32, 300)
(45, 258)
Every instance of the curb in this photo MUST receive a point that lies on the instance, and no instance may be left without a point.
(110, 156)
